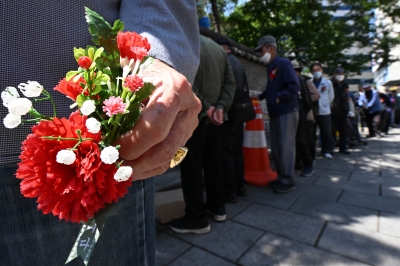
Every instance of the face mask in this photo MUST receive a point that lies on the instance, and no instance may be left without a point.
(317, 74)
(339, 77)
(265, 58)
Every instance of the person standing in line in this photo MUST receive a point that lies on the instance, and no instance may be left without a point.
(340, 109)
(38, 38)
(324, 122)
(233, 133)
(371, 102)
(215, 85)
(281, 95)
(305, 140)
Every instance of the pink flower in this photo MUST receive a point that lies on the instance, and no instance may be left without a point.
(114, 106)
(133, 83)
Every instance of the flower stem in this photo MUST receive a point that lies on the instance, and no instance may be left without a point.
(52, 101)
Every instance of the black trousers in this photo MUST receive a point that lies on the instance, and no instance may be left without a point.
(339, 123)
(232, 156)
(385, 121)
(373, 120)
(205, 150)
(325, 128)
(305, 142)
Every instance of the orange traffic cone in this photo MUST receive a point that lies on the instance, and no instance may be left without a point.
(257, 168)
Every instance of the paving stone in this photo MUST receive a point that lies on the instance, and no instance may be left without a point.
(198, 257)
(391, 191)
(227, 239)
(295, 226)
(337, 212)
(362, 245)
(334, 173)
(169, 248)
(390, 172)
(341, 167)
(371, 201)
(307, 179)
(343, 183)
(266, 196)
(320, 192)
(389, 224)
(272, 249)
(372, 179)
(233, 209)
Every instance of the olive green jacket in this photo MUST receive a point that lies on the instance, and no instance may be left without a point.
(214, 83)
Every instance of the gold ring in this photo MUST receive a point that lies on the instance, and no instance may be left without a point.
(178, 157)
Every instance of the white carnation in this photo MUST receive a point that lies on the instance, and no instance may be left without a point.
(123, 173)
(66, 157)
(88, 107)
(92, 125)
(8, 95)
(11, 121)
(31, 89)
(19, 106)
(109, 155)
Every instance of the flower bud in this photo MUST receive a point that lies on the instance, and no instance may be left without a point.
(67, 157)
(88, 107)
(109, 155)
(11, 121)
(123, 173)
(85, 62)
(20, 106)
(92, 125)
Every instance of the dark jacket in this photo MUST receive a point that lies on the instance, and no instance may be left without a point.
(340, 105)
(283, 84)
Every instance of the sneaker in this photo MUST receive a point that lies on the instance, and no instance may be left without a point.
(241, 192)
(274, 183)
(345, 152)
(307, 171)
(218, 215)
(283, 188)
(230, 197)
(328, 156)
(186, 225)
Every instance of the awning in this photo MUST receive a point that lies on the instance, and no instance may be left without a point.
(392, 83)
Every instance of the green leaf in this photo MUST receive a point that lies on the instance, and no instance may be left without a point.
(76, 78)
(80, 99)
(144, 92)
(96, 90)
(98, 53)
(71, 74)
(78, 52)
(118, 26)
(103, 78)
(91, 53)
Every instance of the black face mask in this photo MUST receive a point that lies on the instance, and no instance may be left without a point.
(368, 94)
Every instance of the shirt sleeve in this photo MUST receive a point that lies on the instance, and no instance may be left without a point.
(291, 83)
(315, 95)
(228, 89)
(171, 28)
(331, 92)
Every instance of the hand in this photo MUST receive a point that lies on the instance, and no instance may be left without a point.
(166, 123)
(210, 112)
(218, 117)
(277, 100)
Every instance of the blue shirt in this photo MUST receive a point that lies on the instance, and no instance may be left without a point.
(283, 84)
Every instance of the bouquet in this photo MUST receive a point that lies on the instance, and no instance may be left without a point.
(70, 164)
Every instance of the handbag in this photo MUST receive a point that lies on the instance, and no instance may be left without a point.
(242, 109)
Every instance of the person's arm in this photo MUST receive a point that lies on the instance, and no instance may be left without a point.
(331, 92)
(228, 89)
(315, 95)
(170, 116)
(291, 83)
(373, 99)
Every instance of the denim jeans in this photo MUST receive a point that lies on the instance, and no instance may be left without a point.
(28, 237)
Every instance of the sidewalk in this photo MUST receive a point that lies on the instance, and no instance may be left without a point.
(347, 213)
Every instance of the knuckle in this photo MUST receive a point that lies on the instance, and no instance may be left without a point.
(167, 152)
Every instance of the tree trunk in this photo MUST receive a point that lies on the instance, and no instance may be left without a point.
(214, 8)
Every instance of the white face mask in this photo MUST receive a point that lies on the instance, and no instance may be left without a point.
(317, 74)
(265, 58)
(339, 77)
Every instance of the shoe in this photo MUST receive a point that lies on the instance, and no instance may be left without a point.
(241, 192)
(186, 225)
(370, 136)
(283, 188)
(307, 171)
(230, 197)
(328, 156)
(314, 162)
(345, 152)
(218, 215)
(274, 183)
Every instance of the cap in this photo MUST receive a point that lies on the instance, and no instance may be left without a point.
(296, 64)
(223, 41)
(338, 70)
(365, 85)
(265, 40)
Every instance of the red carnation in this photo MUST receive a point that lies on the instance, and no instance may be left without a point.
(133, 82)
(85, 62)
(132, 45)
(69, 88)
(72, 192)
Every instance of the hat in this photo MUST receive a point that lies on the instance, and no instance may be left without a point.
(338, 70)
(296, 64)
(366, 85)
(223, 41)
(265, 40)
